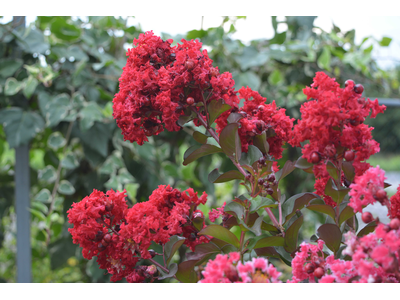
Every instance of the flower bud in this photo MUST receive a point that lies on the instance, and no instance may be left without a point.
(99, 236)
(349, 155)
(151, 270)
(309, 268)
(367, 217)
(358, 88)
(189, 64)
(271, 177)
(190, 101)
(270, 191)
(394, 224)
(107, 238)
(330, 150)
(319, 272)
(152, 253)
(315, 158)
(380, 195)
(101, 247)
(348, 82)
(261, 181)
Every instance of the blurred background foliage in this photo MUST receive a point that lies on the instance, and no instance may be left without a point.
(57, 81)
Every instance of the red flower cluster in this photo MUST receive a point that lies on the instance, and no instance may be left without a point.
(367, 189)
(258, 117)
(333, 123)
(97, 220)
(226, 269)
(168, 212)
(160, 82)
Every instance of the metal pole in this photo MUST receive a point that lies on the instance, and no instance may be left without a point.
(22, 201)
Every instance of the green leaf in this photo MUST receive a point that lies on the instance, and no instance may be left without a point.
(90, 113)
(203, 250)
(56, 140)
(9, 66)
(385, 42)
(234, 209)
(286, 170)
(172, 246)
(331, 235)
(38, 214)
(20, 126)
(13, 86)
(200, 137)
(348, 170)
(332, 190)
(69, 162)
(198, 223)
(43, 196)
(202, 151)
(30, 86)
(216, 108)
(56, 109)
(324, 60)
(66, 188)
(330, 167)
(325, 209)
(221, 233)
(261, 202)
(303, 164)
(346, 214)
(367, 229)
(64, 31)
(270, 241)
(234, 117)
(248, 78)
(297, 202)
(230, 141)
(33, 41)
(47, 174)
(275, 77)
(216, 177)
(291, 235)
(260, 141)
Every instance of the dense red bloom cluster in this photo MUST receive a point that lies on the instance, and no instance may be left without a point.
(367, 189)
(96, 221)
(394, 211)
(164, 215)
(333, 121)
(226, 269)
(160, 82)
(259, 117)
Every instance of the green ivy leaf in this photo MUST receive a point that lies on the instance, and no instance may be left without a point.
(66, 188)
(90, 113)
(13, 86)
(63, 30)
(30, 85)
(20, 126)
(43, 196)
(9, 66)
(48, 174)
(69, 162)
(275, 77)
(56, 140)
(56, 109)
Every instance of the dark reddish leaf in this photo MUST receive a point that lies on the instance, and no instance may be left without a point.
(348, 170)
(260, 141)
(296, 202)
(323, 208)
(186, 273)
(216, 177)
(230, 141)
(331, 235)
(202, 151)
(267, 251)
(291, 235)
(200, 137)
(173, 268)
(234, 117)
(286, 170)
(216, 108)
(270, 241)
(303, 164)
(330, 167)
(346, 214)
(198, 223)
(367, 229)
(172, 246)
(234, 209)
(221, 233)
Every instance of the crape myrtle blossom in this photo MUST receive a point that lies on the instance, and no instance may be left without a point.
(259, 117)
(333, 122)
(226, 268)
(160, 82)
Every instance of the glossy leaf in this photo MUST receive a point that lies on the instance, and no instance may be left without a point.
(234, 117)
(186, 273)
(173, 268)
(330, 167)
(216, 108)
(260, 141)
(202, 151)
(331, 235)
(270, 241)
(296, 202)
(325, 209)
(9, 66)
(291, 235)
(200, 137)
(221, 233)
(261, 202)
(230, 142)
(303, 164)
(66, 188)
(235, 209)
(346, 214)
(172, 246)
(216, 177)
(286, 170)
(253, 154)
(348, 170)
(367, 229)
(336, 194)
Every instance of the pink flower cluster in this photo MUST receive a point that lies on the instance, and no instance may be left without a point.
(226, 268)
(367, 189)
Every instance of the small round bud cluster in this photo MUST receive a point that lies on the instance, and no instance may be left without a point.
(358, 88)
(106, 239)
